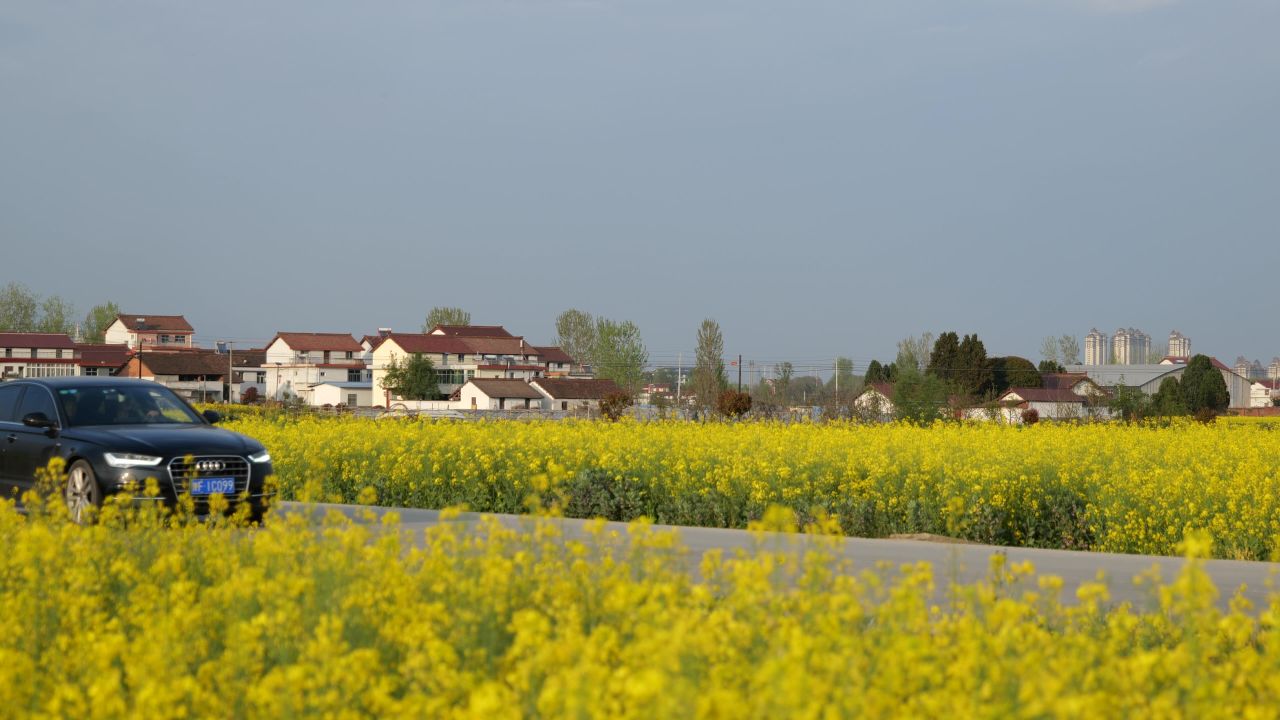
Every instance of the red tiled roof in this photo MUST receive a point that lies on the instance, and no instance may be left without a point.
(154, 323)
(471, 331)
(576, 389)
(505, 388)
(39, 341)
(553, 354)
(205, 362)
(430, 344)
(1054, 395)
(95, 355)
(885, 389)
(499, 346)
(309, 342)
(513, 366)
(1055, 381)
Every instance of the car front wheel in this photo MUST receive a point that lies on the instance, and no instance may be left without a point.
(83, 495)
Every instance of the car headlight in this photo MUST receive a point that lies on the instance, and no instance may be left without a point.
(128, 460)
(260, 457)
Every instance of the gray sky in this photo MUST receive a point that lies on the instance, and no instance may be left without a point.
(821, 176)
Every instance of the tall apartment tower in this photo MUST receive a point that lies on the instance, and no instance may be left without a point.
(1097, 351)
(1241, 367)
(1130, 346)
(1179, 345)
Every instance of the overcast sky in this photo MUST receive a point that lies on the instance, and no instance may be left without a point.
(821, 176)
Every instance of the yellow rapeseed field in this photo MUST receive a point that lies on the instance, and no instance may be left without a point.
(1111, 487)
(135, 618)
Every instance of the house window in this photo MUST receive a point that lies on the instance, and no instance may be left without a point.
(351, 355)
(164, 339)
(351, 399)
(471, 374)
(564, 404)
(459, 357)
(58, 353)
(262, 378)
(8, 352)
(353, 376)
(326, 357)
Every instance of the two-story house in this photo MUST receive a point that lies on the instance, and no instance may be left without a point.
(35, 355)
(297, 362)
(197, 375)
(457, 358)
(150, 331)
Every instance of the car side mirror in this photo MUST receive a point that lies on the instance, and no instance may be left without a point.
(213, 416)
(40, 420)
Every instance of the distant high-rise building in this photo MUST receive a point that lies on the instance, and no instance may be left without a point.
(1130, 346)
(1179, 345)
(1273, 370)
(1096, 349)
(1241, 367)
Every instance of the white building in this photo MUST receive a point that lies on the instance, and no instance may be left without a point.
(1264, 393)
(1130, 346)
(1097, 351)
(345, 394)
(35, 355)
(875, 402)
(457, 358)
(297, 362)
(1179, 345)
(159, 331)
(499, 394)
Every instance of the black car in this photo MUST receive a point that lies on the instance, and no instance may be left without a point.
(111, 431)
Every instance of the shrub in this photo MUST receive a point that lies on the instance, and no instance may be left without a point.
(732, 403)
(614, 405)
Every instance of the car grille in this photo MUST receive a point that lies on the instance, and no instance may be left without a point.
(182, 470)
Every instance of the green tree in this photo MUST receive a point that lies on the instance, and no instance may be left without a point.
(919, 397)
(1203, 388)
(1049, 367)
(1012, 371)
(1168, 400)
(944, 361)
(576, 335)
(619, 354)
(843, 380)
(98, 320)
(18, 308)
(876, 373)
(415, 379)
(914, 351)
(1068, 350)
(55, 316)
(708, 377)
(441, 315)
(973, 374)
(1129, 403)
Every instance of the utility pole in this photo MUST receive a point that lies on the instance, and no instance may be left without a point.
(231, 368)
(837, 367)
(739, 372)
(679, 381)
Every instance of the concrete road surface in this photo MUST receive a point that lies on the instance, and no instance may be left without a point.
(963, 563)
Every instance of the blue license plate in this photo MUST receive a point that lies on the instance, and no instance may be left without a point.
(213, 486)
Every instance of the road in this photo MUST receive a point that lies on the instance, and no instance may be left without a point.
(963, 563)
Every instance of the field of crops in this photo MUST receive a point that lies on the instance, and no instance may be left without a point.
(132, 619)
(1111, 487)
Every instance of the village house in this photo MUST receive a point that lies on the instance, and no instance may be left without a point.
(197, 375)
(297, 362)
(35, 355)
(150, 331)
(578, 395)
(102, 359)
(1061, 396)
(459, 354)
(498, 394)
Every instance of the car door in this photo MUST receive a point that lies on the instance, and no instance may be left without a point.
(9, 394)
(34, 446)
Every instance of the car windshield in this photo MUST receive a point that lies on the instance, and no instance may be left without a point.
(124, 405)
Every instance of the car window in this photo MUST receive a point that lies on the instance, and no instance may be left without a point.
(9, 402)
(123, 405)
(36, 400)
